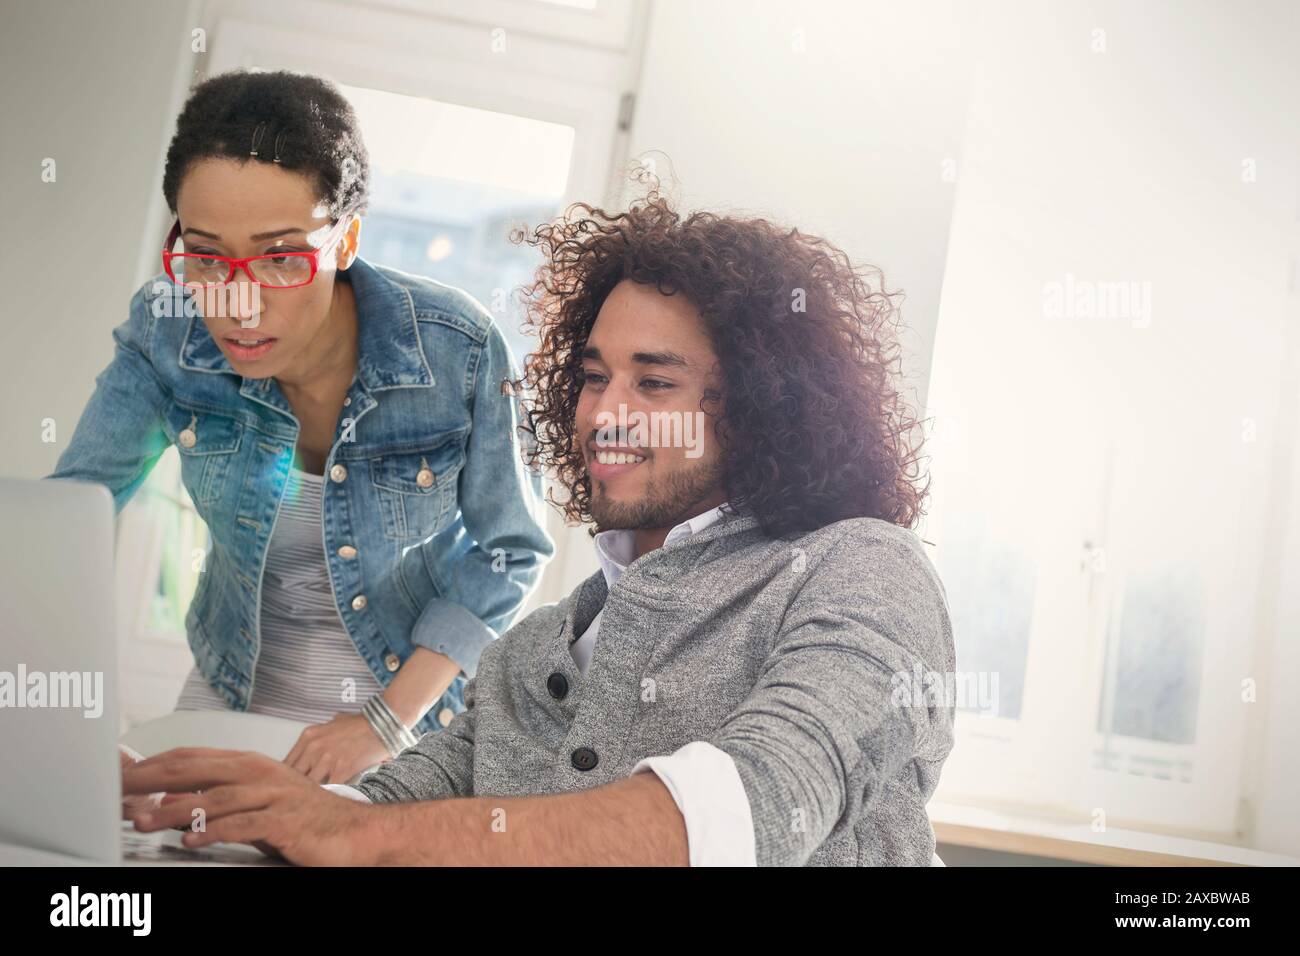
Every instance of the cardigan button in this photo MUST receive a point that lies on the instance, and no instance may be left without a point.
(557, 685)
(584, 758)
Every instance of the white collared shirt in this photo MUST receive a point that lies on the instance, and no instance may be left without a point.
(702, 779)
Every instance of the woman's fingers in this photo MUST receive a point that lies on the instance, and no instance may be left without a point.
(308, 758)
(320, 770)
(295, 755)
(306, 752)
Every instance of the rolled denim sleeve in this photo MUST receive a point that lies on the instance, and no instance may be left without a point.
(119, 437)
(485, 580)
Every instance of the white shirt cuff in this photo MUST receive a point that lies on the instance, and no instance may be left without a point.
(343, 790)
(708, 791)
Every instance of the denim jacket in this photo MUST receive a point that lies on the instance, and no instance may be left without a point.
(441, 564)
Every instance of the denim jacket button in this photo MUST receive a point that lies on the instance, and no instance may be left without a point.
(424, 478)
(338, 473)
(187, 438)
(358, 602)
(444, 716)
(347, 551)
(392, 661)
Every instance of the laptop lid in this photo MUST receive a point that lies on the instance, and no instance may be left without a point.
(60, 785)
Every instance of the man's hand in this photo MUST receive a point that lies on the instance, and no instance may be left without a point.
(147, 801)
(248, 798)
(337, 751)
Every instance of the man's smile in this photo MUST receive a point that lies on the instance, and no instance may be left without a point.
(604, 463)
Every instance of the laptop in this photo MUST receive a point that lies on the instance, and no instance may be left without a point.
(60, 780)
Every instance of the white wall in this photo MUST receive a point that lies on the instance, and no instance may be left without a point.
(835, 117)
(89, 85)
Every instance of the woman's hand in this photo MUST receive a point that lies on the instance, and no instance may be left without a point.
(337, 751)
(248, 798)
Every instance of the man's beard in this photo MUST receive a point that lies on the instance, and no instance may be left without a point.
(665, 503)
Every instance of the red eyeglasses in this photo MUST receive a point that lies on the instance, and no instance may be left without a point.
(284, 270)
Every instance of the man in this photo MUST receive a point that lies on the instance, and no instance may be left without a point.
(718, 397)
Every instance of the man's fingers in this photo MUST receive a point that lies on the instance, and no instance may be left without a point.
(268, 850)
(191, 769)
(216, 803)
(193, 752)
(249, 827)
(131, 804)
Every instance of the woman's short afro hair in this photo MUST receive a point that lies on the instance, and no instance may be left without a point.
(321, 137)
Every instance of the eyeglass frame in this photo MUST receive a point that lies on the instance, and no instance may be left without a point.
(335, 233)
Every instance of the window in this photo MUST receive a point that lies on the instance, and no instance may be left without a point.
(1105, 446)
(176, 537)
(447, 213)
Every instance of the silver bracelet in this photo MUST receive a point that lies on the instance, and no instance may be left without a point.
(402, 737)
(378, 725)
(385, 724)
(391, 731)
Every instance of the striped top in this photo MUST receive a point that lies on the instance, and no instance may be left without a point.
(308, 664)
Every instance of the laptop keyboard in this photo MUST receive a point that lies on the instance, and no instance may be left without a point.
(164, 846)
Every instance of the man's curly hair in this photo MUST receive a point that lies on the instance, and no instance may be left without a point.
(811, 424)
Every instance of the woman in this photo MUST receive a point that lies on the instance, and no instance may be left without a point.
(342, 429)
